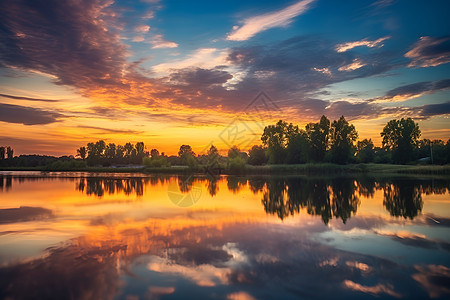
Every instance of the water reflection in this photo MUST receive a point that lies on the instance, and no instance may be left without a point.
(250, 238)
(339, 197)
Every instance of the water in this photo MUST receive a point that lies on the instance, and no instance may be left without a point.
(128, 236)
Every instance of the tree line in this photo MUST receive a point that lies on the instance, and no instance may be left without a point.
(335, 142)
(282, 143)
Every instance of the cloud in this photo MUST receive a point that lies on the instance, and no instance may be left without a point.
(434, 279)
(254, 25)
(26, 115)
(374, 290)
(111, 130)
(27, 98)
(201, 58)
(159, 42)
(382, 3)
(429, 52)
(365, 42)
(356, 64)
(24, 214)
(198, 77)
(142, 28)
(429, 110)
(325, 71)
(138, 38)
(75, 41)
(414, 90)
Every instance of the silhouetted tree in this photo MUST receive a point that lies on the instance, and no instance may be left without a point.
(110, 151)
(318, 135)
(401, 137)
(257, 155)
(81, 152)
(276, 138)
(187, 156)
(2, 152)
(154, 153)
(9, 152)
(297, 148)
(342, 136)
(365, 151)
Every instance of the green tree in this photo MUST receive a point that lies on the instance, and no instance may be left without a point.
(318, 135)
(81, 152)
(401, 137)
(365, 151)
(187, 155)
(276, 138)
(342, 136)
(297, 149)
(257, 155)
(234, 152)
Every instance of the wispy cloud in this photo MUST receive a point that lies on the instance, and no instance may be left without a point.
(159, 42)
(429, 52)
(365, 42)
(27, 98)
(415, 90)
(253, 25)
(356, 64)
(142, 28)
(26, 115)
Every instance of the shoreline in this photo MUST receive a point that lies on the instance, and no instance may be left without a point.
(325, 169)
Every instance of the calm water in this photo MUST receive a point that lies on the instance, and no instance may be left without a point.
(122, 236)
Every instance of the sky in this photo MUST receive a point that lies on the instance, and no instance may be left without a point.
(216, 72)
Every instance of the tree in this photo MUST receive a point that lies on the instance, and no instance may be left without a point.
(140, 149)
(276, 138)
(342, 136)
(365, 151)
(401, 137)
(9, 152)
(212, 157)
(154, 153)
(186, 155)
(120, 152)
(2, 152)
(297, 149)
(318, 134)
(128, 150)
(234, 152)
(257, 155)
(110, 151)
(81, 152)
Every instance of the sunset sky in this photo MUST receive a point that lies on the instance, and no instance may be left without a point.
(199, 72)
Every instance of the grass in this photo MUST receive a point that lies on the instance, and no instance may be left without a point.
(301, 169)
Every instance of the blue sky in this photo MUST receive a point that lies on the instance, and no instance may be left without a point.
(184, 68)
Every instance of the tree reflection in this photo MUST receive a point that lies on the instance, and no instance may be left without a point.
(235, 184)
(185, 183)
(403, 199)
(212, 186)
(339, 197)
(344, 199)
(99, 186)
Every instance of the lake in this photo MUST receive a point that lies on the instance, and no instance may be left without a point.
(131, 236)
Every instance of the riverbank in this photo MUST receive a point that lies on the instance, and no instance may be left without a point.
(300, 169)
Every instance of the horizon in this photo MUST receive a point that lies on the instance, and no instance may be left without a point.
(168, 73)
